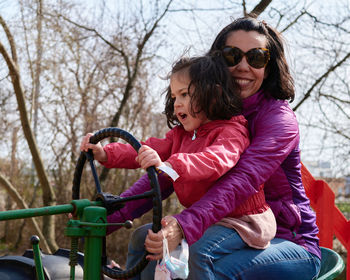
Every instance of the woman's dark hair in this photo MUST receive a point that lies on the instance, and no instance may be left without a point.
(279, 82)
(211, 88)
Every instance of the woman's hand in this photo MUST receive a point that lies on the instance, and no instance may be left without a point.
(148, 157)
(97, 149)
(154, 241)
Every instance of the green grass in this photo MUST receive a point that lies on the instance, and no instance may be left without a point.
(344, 207)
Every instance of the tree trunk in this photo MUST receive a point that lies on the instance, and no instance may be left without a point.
(49, 197)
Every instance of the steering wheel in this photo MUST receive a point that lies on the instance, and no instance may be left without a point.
(115, 203)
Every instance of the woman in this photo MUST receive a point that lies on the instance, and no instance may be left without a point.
(254, 53)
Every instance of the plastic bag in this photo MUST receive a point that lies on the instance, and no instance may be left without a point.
(161, 273)
(176, 263)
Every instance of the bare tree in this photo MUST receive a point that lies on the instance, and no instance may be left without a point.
(131, 60)
(322, 57)
(48, 193)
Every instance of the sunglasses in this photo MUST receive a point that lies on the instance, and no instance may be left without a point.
(256, 58)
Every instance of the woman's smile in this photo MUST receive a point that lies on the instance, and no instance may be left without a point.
(242, 82)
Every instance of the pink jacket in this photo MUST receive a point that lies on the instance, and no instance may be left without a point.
(199, 162)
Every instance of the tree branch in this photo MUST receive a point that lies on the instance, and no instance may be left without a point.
(22, 204)
(319, 80)
(258, 9)
(10, 39)
(99, 35)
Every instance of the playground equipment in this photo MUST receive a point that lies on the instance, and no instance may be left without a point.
(331, 264)
(90, 222)
(330, 220)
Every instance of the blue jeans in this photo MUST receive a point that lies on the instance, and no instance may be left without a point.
(222, 254)
(136, 250)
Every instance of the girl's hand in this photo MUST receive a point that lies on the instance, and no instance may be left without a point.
(154, 241)
(97, 149)
(148, 157)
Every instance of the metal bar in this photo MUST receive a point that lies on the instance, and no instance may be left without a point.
(90, 158)
(146, 194)
(34, 212)
(93, 242)
(48, 210)
(37, 258)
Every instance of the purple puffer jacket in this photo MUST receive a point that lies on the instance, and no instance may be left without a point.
(273, 158)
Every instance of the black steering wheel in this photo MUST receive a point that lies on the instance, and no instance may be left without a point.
(113, 203)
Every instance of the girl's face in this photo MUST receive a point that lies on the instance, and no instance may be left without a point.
(179, 83)
(248, 78)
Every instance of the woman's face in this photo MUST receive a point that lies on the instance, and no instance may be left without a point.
(248, 78)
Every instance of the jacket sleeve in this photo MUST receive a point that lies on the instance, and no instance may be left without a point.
(136, 208)
(163, 146)
(216, 159)
(121, 155)
(275, 136)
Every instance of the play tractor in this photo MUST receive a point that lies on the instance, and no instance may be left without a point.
(89, 222)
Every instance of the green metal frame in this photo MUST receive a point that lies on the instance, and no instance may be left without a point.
(91, 224)
(37, 258)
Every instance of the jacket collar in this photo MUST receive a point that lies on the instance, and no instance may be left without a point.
(203, 129)
(250, 104)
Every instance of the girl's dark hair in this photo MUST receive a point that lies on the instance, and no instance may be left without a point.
(279, 82)
(211, 88)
